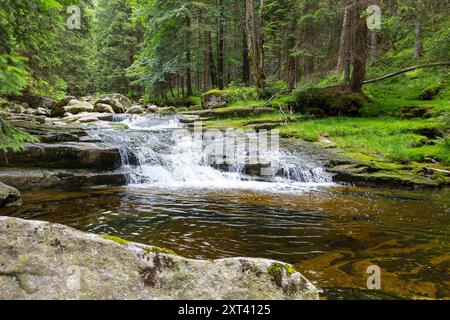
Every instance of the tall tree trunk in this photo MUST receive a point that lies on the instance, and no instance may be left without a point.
(346, 44)
(221, 45)
(374, 47)
(245, 60)
(211, 66)
(188, 61)
(255, 40)
(292, 69)
(360, 50)
(418, 50)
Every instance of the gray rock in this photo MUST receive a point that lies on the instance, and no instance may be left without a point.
(68, 155)
(76, 107)
(127, 104)
(18, 109)
(214, 99)
(115, 104)
(136, 110)
(87, 99)
(42, 112)
(88, 119)
(9, 196)
(58, 107)
(118, 102)
(152, 108)
(39, 260)
(40, 179)
(103, 108)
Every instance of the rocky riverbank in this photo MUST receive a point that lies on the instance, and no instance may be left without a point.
(68, 158)
(39, 260)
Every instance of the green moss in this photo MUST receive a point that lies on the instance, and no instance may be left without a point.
(275, 268)
(328, 102)
(115, 239)
(290, 269)
(215, 92)
(160, 250)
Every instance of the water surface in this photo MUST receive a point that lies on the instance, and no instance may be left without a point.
(331, 235)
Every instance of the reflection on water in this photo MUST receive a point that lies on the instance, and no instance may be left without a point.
(331, 235)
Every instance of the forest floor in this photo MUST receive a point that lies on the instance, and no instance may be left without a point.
(399, 136)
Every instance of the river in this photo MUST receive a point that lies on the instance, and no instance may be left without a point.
(331, 233)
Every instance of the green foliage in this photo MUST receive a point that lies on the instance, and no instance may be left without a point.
(117, 41)
(388, 97)
(13, 75)
(12, 139)
(274, 87)
(235, 93)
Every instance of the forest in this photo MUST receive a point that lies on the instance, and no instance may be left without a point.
(93, 91)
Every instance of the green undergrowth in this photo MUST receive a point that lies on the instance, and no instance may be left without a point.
(389, 139)
(390, 96)
(13, 139)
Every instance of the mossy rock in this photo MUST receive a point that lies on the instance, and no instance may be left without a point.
(214, 99)
(336, 101)
(167, 110)
(431, 92)
(417, 112)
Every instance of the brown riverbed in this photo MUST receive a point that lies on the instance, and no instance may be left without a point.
(331, 235)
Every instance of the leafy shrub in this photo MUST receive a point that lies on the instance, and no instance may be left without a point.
(274, 87)
(235, 94)
(11, 138)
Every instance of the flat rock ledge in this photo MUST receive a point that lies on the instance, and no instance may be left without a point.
(40, 260)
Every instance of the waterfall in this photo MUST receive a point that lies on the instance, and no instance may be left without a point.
(159, 151)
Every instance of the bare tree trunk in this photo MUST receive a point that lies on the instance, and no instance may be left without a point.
(255, 42)
(360, 50)
(418, 50)
(245, 60)
(221, 45)
(373, 47)
(345, 45)
(210, 66)
(188, 61)
(292, 68)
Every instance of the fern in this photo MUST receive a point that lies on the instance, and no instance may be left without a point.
(13, 139)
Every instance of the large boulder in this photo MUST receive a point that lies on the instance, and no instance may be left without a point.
(331, 102)
(58, 107)
(103, 108)
(9, 196)
(214, 99)
(136, 110)
(76, 107)
(33, 101)
(39, 260)
(152, 108)
(117, 101)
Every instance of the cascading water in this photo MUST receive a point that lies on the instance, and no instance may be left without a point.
(158, 151)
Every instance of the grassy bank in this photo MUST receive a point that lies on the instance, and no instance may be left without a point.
(403, 127)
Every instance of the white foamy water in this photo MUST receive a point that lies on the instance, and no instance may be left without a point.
(160, 153)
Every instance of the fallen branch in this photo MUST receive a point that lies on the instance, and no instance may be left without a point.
(432, 65)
